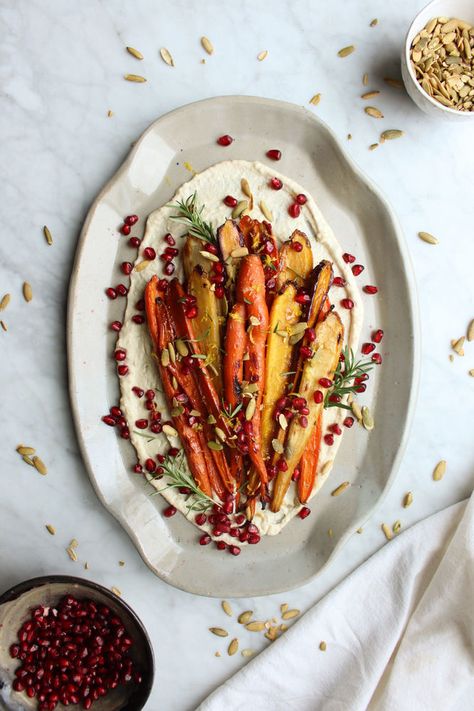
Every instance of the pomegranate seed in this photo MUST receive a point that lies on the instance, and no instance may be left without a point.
(301, 199)
(14, 650)
(126, 268)
(122, 369)
(219, 268)
(149, 253)
(253, 539)
(310, 334)
(282, 465)
(299, 402)
(335, 398)
(303, 420)
(138, 318)
(205, 540)
(125, 229)
(134, 242)
(361, 388)
(377, 358)
(169, 511)
(304, 411)
(329, 439)
(370, 289)
(306, 352)
(192, 312)
(318, 397)
(221, 545)
(240, 519)
(339, 281)
(121, 289)
(348, 422)
(357, 269)
(137, 468)
(347, 303)
(200, 519)
(348, 258)
(137, 391)
(109, 420)
(274, 154)
(335, 429)
(302, 298)
(140, 305)
(131, 220)
(304, 512)
(225, 140)
(325, 382)
(141, 424)
(294, 210)
(169, 269)
(230, 201)
(150, 465)
(276, 184)
(377, 335)
(111, 293)
(120, 354)
(116, 326)
(234, 550)
(367, 348)
(173, 451)
(169, 239)
(361, 378)
(156, 427)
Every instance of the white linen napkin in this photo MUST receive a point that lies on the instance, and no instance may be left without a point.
(399, 634)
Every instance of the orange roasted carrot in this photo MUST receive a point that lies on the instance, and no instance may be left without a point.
(309, 463)
(235, 347)
(251, 291)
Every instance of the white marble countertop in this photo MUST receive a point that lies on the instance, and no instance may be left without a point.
(62, 70)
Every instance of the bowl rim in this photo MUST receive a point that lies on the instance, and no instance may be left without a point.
(16, 591)
(433, 102)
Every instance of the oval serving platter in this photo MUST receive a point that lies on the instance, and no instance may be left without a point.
(162, 160)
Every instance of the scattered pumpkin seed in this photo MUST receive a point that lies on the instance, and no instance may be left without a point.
(322, 646)
(373, 146)
(440, 470)
(226, 606)
(247, 652)
(282, 421)
(277, 446)
(245, 617)
(315, 99)
(426, 237)
(142, 265)
(265, 210)
(135, 78)
(470, 331)
(27, 291)
(262, 55)
(134, 52)
(471, 372)
(346, 51)
(367, 419)
(72, 554)
(121, 563)
(330, 532)
(169, 431)
(116, 591)
(356, 411)
(255, 626)
(340, 489)
(233, 647)
(220, 433)
(165, 358)
(349, 136)
(86, 565)
(365, 79)
(239, 208)
(239, 252)
(395, 83)
(407, 500)
(374, 22)
(207, 45)
(290, 614)
(215, 446)
(50, 528)
(284, 607)
(181, 347)
(457, 345)
(218, 631)
(370, 94)
(373, 111)
(387, 531)
(110, 113)
(390, 134)
(47, 235)
(39, 465)
(244, 184)
(23, 449)
(396, 526)
(359, 530)
(250, 409)
(208, 255)
(3, 325)
(172, 352)
(217, 654)
(28, 460)
(74, 543)
(166, 57)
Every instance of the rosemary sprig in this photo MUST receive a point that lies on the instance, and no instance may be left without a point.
(190, 214)
(175, 470)
(343, 380)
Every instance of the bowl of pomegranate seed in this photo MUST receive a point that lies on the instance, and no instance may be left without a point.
(66, 641)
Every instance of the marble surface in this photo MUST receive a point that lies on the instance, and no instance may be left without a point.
(61, 71)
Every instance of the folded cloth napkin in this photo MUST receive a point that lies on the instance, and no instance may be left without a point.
(399, 633)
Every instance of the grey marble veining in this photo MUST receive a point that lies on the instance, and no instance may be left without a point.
(60, 72)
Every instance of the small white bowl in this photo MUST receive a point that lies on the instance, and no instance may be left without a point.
(461, 9)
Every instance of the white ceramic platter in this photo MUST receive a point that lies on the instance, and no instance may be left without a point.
(364, 225)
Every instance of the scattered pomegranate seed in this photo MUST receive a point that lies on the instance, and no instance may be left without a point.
(149, 253)
(348, 258)
(230, 201)
(109, 420)
(377, 358)
(221, 545)
(140, 305)
(125, 229)
(297, 246)
(169, 511)
(169, 239)
(377, 335)
(156, 427)
(253, 539)
(168, 269)
(116, 325)
(134, 242)
(348, 422)
(141, 424)
(335, 398)
(339, 281)
(219, 292)
(296, 474)
(303, 420)
(329, 439)
(318, 397)
(276, 184)
(200, 519)
(282, 465)
(173, 451)
(335, 429)
(302, 298)
(305, 511)
(137, 391)
(126, 268)
(357, 269)
(121, 289)
(370, 289)
(361, 388)
(192, 312)
(131, 220)
(205, 540)
(347, 303)
(310, 334)
(111, 293)
(234, 550)
(361, 378)
(306, 352)
(294, 210)
(120, 354)
(225, 140)
(274, 154)
(138, 468)
(301, 199)
(325, 382)
(138, 318)
(367, 348)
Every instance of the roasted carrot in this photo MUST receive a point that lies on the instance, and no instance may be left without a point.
(251, 291)
(325, 309)
(309, 462)
(235, 347)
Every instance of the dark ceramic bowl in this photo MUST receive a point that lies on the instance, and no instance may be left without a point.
(15, 606)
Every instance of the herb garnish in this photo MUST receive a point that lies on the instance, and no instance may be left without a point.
(343, 380)
(175, 470)
(190, 214)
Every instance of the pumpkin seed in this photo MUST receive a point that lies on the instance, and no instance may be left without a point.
(166, 57)
(373, 146)
(244, 184)
(215, 446)
(218, 631)
(356, 411)
(327, 466)
(135, 78)
(208, 255)
(27, 291)
(407, 500)
(282, 421)
(322, 646)
(255, 626)
(283, 627)
(390, 134)
(239, 252)
(457, 345)
(440, 470)
(207, 45)
(265, 210)
(233, 647)
(72, 554)
(220, 433)
(330, 532)
(396, 526)
(226, 606)
(374, 22)
(116, 591)
(395, 83)
(296, 338)
(373, 111)
(165, 358)
(470, 331)
(181, 347)
(471, 372)
(28, 460)
(365, 79)
(39, 465)
(172, 352)
(290, 614)
(110, 113)
(169, 431)
(239, 208)
(245, 617)
(426, 237)
(22, 449)
(359, 530)
(367, 419)
(3, 325)
(340, 489)
(50, 528)
(284, 607)
(47, 235)
(277, 446)
(121, 563)
(142, 265)
(346, 51)
(134, 52)
(262, 55)
(250, 409)
(387, 532)
(315, 99)
(370, 94)
(247, 652)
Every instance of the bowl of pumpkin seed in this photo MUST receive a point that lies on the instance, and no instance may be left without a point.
(438, 59)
